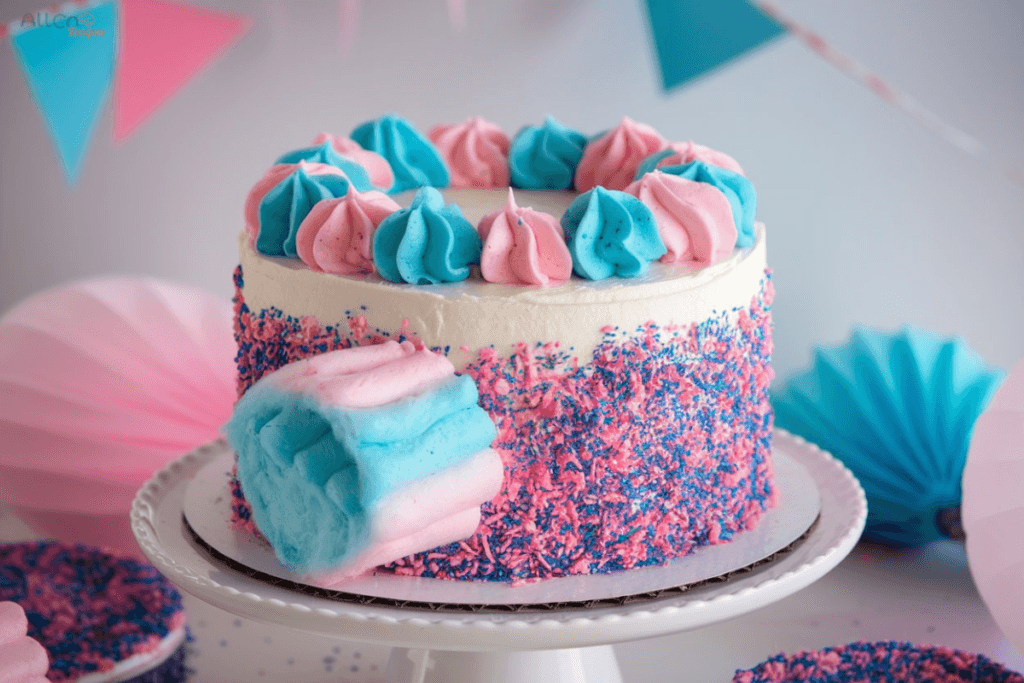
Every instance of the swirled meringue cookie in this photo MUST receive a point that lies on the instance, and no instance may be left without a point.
(324, 153)
(414, 159)
(612, 159)
(427, 243)
(277, 205)
(376, 166)
(611, 233)
(523, 246)
(680, 153)
(694, 219)
(337, 234)
(476, 152)
(545, 157)
(739, 191)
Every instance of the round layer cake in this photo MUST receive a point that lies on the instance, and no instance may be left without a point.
(632, 413)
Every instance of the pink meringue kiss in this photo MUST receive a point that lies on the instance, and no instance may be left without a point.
(476, 152)
(22, 659)
(268, 182)
(337, 234)
(686, 152)
(523, 247)
(612, 160)
(694, 219)
(377, 167)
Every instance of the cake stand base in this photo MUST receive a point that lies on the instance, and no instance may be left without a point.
(567, 645)
(575, 665)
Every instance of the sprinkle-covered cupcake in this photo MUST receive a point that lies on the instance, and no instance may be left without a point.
(887, 661)
(101, 618)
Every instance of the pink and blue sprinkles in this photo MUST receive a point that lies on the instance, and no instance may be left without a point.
(882, 662)
(89, 609)
(660, 445)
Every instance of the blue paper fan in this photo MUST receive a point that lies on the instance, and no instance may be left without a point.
(898, 409)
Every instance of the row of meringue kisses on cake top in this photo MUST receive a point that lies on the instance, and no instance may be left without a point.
(641, 198)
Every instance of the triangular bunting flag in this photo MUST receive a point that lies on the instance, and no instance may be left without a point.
(163, 45)
(69, 65)
(693, 37)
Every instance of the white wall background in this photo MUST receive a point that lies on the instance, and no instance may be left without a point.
(871, 218)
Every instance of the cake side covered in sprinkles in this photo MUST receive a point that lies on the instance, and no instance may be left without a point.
(90, 610)
(659, 445)
(593, 488)
(884, 662)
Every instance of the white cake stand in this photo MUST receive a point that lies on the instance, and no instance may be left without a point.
(570, 645)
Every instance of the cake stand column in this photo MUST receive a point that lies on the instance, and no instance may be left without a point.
(573, 665)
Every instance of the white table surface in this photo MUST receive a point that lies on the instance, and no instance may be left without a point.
(922, 595)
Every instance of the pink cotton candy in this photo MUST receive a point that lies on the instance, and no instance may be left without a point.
(440, 496)
(337, 234)
(694, 219)
(523, 247)
(612, 160)
(687, 152)
(377, 167)
(433, 512)
(476, 152)
(22, 659)
(386, 383)
(365, 376)
(269, 181)
(457, 527)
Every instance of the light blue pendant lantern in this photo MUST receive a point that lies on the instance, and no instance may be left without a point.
(898, 408)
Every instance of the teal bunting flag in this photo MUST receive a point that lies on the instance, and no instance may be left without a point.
(68, 62)
(693, 37)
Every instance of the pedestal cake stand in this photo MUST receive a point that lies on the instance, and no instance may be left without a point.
(558, 630)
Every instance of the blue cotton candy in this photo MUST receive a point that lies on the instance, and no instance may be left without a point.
(314, 473)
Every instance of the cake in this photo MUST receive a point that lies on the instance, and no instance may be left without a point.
(612, 308)
(99, 617)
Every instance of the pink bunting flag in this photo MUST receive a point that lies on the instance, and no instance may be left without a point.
(163, 46)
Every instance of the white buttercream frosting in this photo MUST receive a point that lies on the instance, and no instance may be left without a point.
(476, 314)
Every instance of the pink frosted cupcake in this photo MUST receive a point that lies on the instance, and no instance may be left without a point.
(100, 618)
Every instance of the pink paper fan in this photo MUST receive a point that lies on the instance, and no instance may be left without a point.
(101, 383)
(993, 506)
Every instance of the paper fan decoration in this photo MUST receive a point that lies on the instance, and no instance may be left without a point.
(993, 508)
(102, 383)
(898, 409)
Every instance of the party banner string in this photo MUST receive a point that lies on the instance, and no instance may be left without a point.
(924, 116)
